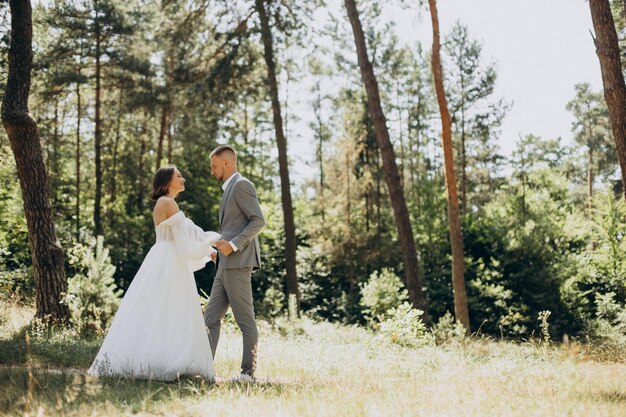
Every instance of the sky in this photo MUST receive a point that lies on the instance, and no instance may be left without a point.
(541, 48)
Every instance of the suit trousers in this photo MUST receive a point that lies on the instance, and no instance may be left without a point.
(234, 287)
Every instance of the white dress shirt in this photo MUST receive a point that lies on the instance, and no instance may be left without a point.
(228, 181)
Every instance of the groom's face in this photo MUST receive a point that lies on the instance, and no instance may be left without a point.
(217, 168)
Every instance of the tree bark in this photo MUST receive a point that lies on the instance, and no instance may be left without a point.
(53, 159)
(78, 117)
(116, 145)
(283, 163)
(143, 145)
(21, 128)
(162, 133)
(464, 159)
(413, 279)
(317, 111)
(607, 49)
(456, 239)
(97, 220)
(590, 180)
(170, 142)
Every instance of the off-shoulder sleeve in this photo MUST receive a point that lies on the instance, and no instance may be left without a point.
(192, 243)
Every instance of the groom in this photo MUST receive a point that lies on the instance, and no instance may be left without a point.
(241, 220)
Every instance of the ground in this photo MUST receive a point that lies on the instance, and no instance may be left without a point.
(318, 369)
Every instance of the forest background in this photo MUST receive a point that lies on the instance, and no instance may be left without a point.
(121, 88)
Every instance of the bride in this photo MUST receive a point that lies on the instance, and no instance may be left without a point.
(158, 331)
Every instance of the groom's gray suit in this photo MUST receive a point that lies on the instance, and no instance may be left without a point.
(241, 220)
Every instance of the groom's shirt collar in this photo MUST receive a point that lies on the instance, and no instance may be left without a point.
(228, 181)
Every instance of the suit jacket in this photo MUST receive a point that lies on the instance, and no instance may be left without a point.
(241, 220)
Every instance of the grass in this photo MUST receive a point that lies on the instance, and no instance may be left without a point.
(319, 369)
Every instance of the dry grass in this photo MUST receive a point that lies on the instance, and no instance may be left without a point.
(326, 370)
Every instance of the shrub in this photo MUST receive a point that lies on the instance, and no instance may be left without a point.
(596, 291)
(273, 304)
(92, 295)
(403, 325)
(383, 291)
(447, 330)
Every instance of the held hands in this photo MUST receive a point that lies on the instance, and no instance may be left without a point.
(213, 256)
(224, 247)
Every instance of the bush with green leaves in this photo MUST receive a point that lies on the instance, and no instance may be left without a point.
(382, 292)
(448, 330)
(403, 325)
(92, 295)
(518, 253)
(596, 292)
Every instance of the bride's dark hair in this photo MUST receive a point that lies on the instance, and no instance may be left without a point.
(161, 182)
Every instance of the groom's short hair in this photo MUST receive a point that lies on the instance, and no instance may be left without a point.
(222, 150)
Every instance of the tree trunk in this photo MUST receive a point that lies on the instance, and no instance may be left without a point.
(21, 128)
(283, 163)
(116, 145)
(463, 160)
(143, 144)
(401, 134)
(590, 180)
(413, 279)
(97, 220)
(456, 239)
(53, 159)
(162, 134)
(78, 117)
(170, 141)
(607, 49)
(317, 110)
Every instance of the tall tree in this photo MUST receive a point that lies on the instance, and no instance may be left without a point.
(607, 49)
(319, 126)
(591, 129)
(98, 31)
(21, 128)
(413, 279)
(475, 116)
(283, 161)
(456, 238)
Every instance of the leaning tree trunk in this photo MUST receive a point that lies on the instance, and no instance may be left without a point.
(283, 164)
(21, 128)
(607, 49)
(456, 239)
(413, 279)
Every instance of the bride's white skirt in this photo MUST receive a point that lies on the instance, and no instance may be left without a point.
(158, 332)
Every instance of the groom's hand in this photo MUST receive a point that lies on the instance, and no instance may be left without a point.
(224, 247)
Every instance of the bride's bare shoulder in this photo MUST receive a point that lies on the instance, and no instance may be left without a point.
(167, 205)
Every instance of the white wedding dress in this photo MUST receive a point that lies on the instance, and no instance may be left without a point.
(158, 331)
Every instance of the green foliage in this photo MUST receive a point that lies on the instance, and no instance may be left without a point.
(597, 289)
(404, 326)
(592, 130)
(476, 116)
(519, 254)
(15, 271)
(545, 326)
(177, 80)
(92, 296)
(448, 330)
(382, 292)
